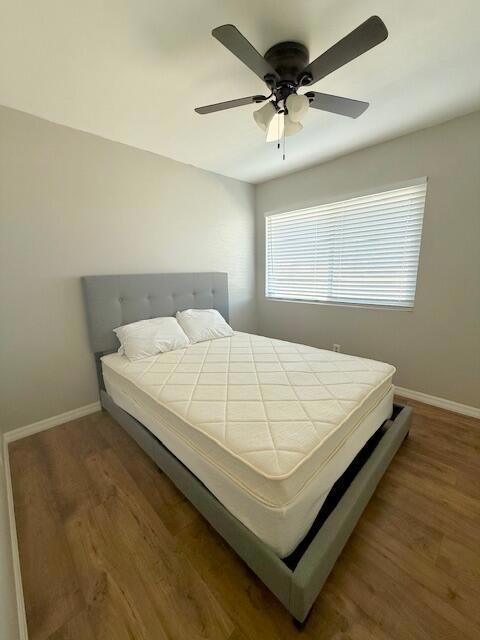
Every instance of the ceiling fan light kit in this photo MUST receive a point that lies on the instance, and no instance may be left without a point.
(285, 68)
(297, 106)
(264, 116)
(281, 126)
(276, 124)
(291, 127)
(275, 129)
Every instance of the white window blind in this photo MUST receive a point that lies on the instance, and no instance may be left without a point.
(359, 251)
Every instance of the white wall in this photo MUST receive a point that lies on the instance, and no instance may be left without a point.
(436, 347)
(73, 204)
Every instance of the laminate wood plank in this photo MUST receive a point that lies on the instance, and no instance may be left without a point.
(253, 609)
(175, 510)
(460, 562)
(421, 571)
(180, 596)
(85, 435)
(116, 599)
(76, 628)
(443, 612)
(375, 595)
(436, 414)
(353, 621)
(446, 448)
(388, 523)
(337, 617)
(468, 483)
(423, 466)
(390, 599)
(72, 487)
(111, 550)
(463, 506)
(441, 517)
(52, 593)
(402, 607)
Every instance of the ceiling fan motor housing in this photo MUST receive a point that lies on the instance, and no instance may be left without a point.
(288, 59)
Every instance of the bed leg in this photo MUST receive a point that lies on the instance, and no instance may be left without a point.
(300, 626)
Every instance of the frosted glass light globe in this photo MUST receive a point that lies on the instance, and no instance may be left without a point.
(297, 106)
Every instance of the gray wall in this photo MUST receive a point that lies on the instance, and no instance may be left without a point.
(73, 204)
(436, 347)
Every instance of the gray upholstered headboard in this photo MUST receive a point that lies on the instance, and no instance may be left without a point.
(112, 301)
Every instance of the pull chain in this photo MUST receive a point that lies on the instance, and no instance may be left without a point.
(279, 138)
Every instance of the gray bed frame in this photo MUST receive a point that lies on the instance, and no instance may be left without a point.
(115, 300)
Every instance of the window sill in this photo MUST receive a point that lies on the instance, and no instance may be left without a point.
(348, 305)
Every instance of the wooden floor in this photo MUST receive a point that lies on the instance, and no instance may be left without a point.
(110, 550)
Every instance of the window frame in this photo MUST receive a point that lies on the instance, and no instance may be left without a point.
(350, 196)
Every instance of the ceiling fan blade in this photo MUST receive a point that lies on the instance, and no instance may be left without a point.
(234, 41)
(229, 104)
(367, 35)
(337, 104)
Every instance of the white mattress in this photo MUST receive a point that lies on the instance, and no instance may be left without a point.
(268, 426)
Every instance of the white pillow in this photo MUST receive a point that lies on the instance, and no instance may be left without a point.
(203, 324)
(149, 337)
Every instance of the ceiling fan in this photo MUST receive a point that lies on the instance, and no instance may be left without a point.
(285, 68)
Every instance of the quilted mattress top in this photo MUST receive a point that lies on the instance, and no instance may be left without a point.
(272, 405)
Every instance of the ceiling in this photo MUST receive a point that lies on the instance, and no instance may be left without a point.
(133, 71)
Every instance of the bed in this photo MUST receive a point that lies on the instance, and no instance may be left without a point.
(278, 445)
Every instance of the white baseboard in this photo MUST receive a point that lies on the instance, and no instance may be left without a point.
(442, 403)
(48, 423)
(17, 574)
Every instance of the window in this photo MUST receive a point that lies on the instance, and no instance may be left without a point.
(360, 251)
